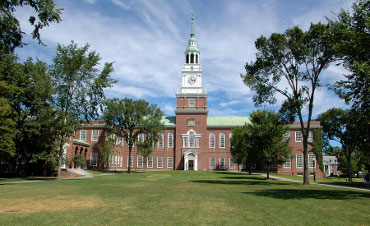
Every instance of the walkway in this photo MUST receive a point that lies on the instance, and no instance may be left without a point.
(330, 185)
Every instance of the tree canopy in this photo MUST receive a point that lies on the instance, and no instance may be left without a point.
(290, 64)
(128, 118)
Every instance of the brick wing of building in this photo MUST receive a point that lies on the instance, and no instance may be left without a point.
(191, 140)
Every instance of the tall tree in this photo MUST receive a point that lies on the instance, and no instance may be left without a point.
(339, 125)
(11, 32)
(78, 88)
(351, 33)
(128, 118)
(266, 133)
(291, 64)
(241, 149)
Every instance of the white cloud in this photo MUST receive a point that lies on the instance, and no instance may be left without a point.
(126, 5)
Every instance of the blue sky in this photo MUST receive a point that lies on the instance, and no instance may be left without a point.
(147, 40)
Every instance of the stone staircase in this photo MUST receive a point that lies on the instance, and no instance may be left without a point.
(79, 172)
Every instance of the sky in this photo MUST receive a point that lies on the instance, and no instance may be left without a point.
(146, 40)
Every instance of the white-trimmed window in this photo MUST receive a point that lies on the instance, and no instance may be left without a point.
(212, 140)
(161, 140)
(95, 135)
(232, 163)
(169, 162)
(82, 134)
(140, 137)
(222, 140)
(119, 141)
(112, 160)
(119, 160)
(298, 136)
(159, 162)
(312, 161)
(212, 163)
(121, 165)
(131, 161)
(197, 142)
(191, 139)
(230, 136)
(150, 162)
(184, 141)
(287, 164)
(299, 160)
(94, 159)
(170, 140)
(191, 102)
(222, 163)
(310, 136)
(286, 136)
(140, 162)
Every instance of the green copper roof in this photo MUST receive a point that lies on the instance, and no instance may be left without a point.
(168, 120)
(81, 142)
(192, 49)
(227, 121)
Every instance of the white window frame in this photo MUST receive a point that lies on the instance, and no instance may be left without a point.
(169, 162)
(184, 142)
(170, 139)
(310, 136)
(212, 140)
(230, 136)
(299, 162)
(191, 140)
(140, 162)
(131, 161)
(159, 162)
(288, 163)
(212, 162)
(312, 159)
(160, 140)
(191, 102)
(232, 163)
(140, 137)
(150, 160)
(298, 138)
(85, 132)
(222, 140)
(95, 137)
(222, 160)
(93, 159)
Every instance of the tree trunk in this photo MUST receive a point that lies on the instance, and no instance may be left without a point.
(268, 172)
(306, 169)
(349, 165)
(129, 159)
(60, 154)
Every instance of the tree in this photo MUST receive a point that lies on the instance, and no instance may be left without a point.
(266, 133)
(290, 64)
(352, 38)
(339, 125)
(242, 150)
(11, 33)
(128, 118)
(78, 88)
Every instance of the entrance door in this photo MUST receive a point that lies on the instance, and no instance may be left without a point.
(191, 165)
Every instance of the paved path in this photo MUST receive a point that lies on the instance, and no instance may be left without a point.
(329, 185)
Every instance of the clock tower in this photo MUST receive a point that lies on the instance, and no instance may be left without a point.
(191, 110)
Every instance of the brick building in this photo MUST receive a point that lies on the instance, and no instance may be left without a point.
(191, 140)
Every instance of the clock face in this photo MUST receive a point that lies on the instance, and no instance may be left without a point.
(192, 80)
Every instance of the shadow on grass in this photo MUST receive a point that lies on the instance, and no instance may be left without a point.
(244, 181)
(347, 184)
(289, 194)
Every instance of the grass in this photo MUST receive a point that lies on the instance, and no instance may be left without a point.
(95, 172)
(357, 182)
(180, 198)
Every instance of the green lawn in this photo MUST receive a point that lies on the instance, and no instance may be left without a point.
(180, 198)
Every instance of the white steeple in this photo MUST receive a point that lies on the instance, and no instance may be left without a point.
(192, 71)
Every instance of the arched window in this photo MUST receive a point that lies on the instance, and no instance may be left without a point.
(161, 140)
(187, 58)
(170, 140)
(191, 139)
(230, 136)
(212, 140)
(222, 140)
(192, 58)
(196, 58)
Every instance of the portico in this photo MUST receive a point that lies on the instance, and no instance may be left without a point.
(191, 160)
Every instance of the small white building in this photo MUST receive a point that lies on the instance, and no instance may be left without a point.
(331, 166)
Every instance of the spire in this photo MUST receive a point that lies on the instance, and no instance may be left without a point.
(192, 23)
